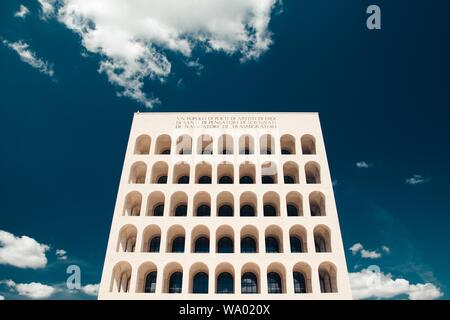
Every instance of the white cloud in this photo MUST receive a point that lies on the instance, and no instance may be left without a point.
(2, 298)
(417, 179)
(134, 37)
(386, 249)
(61, 254)
(22, 252)
(22, 13)
(366, 254)
(33, 290)
(29, 57)
(363, 165)
(374, 284)
(90, 289)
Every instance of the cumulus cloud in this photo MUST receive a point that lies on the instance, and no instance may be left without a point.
(61, 254)
(371, 283)
(33, 290)
(367, 254)
(362, 165)
(417, 179)
(133, 38)
(90, 289)
(22, 13)
(22, 252)
(29, 57)
(2, 298)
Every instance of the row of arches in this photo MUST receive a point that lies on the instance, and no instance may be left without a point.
(249, 237)
(225, 173)
(225, 206)
(225, 144)
(224, 278)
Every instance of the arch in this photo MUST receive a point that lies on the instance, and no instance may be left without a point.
(202, 204)
(200, 239)
(317, 204)
(181, 172)
(308, 143)
(138, 172)
(250, 274)
(327, 277)
(287, 143)
(267, 144)
(203, 173)
(249, 239)
(155, 204)
(142, 144)
(173, 278)
(159, 172)
(147, 276)
(127, 239)
(121, 276)
(225, 173)
(322, 238)
(205, 144)
(179, 204)
(184, 144)
(198, 278)
(274, 239)
(133, 203)
(176, 239)
(225, 239)
(302, 278)
(248, 204)
(163, 144)
(246, 144)
(225, 204)
(271, 201)
(269, 173)
(276, 278)
(297, 239)
(224, 278)
(294, 204)
(151, 239)
(225, 145)
(247, 173)
(312, 172)
(290, 173)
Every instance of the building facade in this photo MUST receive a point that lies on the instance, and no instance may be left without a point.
(225, 206)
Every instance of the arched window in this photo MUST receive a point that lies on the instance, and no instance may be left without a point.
(142, 145)
(205, 144)
(202, 245)
(203, 211)
(162, 180)
(204, 180)
(124, 285)
(317, 204)
(325, 282)
(225, 211)
(312, 172)
(287, 143)
(299, 282)
(159, 172)
(327, 277)
(200, 283)
(163, 144)
(154, 244)
(225, 180)
(247, 211)
(178, 245)
(183, 180)
(292, 210)
(247, 173)
(150, 283)
(267, 144)
(269, 210)
(246, 144)
(184, 145)
(274, 282)
(272, 245)
(308, 144)
(267, 180)
(249, 283)
(225, 144)
(296, 244)
(158, 210)
(225, 283)
(175, 282)
(248, 245)
(181, 210)
(246, 180)
(225, 245)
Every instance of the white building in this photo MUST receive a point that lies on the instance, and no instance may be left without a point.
(225, 206)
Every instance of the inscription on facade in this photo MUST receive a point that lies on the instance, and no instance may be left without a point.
(226, 122)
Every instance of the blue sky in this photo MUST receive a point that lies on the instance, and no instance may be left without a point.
(382, 95)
